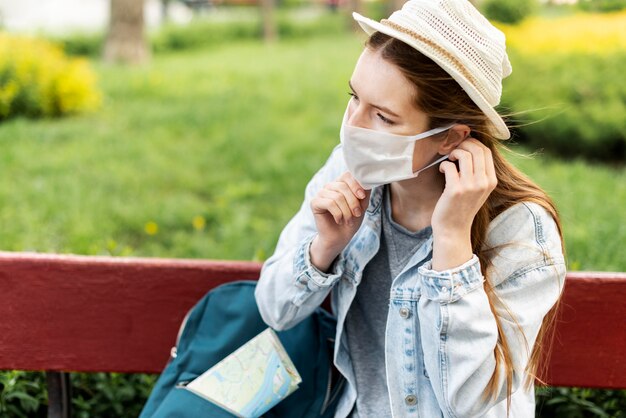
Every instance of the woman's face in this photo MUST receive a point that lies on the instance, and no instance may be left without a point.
(384, 100)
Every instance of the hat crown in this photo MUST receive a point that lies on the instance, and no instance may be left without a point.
(455, 33)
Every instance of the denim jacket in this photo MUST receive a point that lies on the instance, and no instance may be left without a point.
(440, 331)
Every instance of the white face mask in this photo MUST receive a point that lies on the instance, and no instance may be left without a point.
(375, 158)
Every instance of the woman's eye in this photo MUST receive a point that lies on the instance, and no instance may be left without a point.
(385, 120)
(354, 96)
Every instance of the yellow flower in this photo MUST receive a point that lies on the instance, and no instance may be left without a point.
(111, 245)
(39, 79)
(574, 265)
(578, 33)
(151, 228)
(198, 223)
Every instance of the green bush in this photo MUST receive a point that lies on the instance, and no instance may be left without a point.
(37, 79)
(558, 402)
(323, 25)
(572, 105)
(568, 84)
(602, 6)
(22, 394)
(84, 44)
(509, 11)
(210, 32)
(110, 394)
(202, 33)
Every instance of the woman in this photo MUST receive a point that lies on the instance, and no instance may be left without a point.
(444, 284)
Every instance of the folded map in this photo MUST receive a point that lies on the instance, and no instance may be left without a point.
(251, 380)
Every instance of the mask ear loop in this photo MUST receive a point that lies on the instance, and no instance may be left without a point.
(439, 160)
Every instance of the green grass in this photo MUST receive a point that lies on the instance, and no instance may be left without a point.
(231, 135)
(590, 199)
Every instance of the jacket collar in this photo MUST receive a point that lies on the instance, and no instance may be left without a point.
(376, 199)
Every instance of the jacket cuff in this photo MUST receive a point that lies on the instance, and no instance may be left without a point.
(450, 285)
(308, 276)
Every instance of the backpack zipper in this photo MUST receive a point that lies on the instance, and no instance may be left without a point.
(174, 350)
(329, 398)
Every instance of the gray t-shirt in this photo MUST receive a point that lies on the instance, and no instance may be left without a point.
(366, 319)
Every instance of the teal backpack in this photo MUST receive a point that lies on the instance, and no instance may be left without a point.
(223, 320)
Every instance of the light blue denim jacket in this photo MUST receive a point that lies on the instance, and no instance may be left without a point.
(440, 333)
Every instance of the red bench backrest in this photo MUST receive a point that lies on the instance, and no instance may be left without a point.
(76, 313)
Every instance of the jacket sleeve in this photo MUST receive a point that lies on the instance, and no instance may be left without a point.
(290, 287)
(457, 326)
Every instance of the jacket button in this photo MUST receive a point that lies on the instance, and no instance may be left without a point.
(411, 400)
(405, 312)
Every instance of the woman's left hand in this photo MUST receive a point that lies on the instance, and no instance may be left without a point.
(466, 190)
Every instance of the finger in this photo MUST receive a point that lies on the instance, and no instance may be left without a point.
(490, 169)
(365, 202)
(484, 171)
(353, 184)
(451, 174)
(339, 200)
(348, 194)
(322, 205)
(477, 150)
(466, 168)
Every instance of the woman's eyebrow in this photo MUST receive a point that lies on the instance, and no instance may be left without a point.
(383, 108)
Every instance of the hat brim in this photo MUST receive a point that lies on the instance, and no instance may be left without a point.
(500, 130)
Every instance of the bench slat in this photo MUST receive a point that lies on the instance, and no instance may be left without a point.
(78, 313)
(590, 340)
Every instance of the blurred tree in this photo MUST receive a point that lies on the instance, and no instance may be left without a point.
(126, 41)
(355, 6)
(267, 16)
(509, 11)
(165, 7)
(395, 5)
(602, 6)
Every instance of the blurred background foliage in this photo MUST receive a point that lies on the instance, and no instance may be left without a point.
(205, 151)
(37, 79)
(567, 92)
(509, 11)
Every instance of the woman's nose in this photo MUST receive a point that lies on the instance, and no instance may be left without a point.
(356, 116)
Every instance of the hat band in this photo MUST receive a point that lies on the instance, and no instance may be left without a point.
(456, 63)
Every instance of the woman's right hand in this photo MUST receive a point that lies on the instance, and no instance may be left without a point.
(339, 209)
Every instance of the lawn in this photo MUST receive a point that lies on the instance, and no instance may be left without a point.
(223, 137)
(206, 153)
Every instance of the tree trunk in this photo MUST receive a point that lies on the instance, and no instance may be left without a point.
(395, 5)
(165, 11)
(268, 21)
(355, 6)
(126, 41)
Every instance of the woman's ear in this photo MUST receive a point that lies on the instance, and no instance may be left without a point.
(456, 135)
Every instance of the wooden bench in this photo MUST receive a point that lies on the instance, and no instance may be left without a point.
(90, 314)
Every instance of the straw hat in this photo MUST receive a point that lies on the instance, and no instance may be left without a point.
(462, 41)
